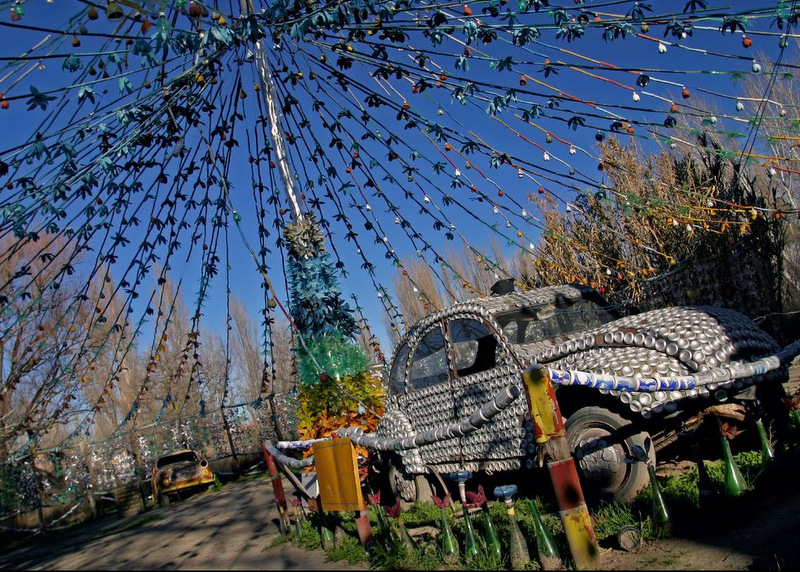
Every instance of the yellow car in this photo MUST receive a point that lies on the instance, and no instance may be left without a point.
(178, 472)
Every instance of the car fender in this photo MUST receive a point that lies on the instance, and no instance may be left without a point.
(394, 424)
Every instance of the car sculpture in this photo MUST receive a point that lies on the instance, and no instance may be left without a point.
(455, 360)
(179, 472)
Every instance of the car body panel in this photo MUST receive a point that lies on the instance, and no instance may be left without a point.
(181, 471)
(565, 327)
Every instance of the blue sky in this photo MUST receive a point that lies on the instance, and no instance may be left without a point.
(701, 61)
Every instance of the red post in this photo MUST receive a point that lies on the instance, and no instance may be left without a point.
(551, 434)
(277, 489)
(364, 528)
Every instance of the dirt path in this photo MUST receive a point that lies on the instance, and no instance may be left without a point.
(744, 534)
(222, 530)
(231, 528)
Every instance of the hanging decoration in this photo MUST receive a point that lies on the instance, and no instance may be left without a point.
(138, 134)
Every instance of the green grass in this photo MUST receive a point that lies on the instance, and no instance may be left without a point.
(349, 549)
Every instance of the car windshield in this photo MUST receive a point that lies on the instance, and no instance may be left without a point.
(182, 457)
(544, 322)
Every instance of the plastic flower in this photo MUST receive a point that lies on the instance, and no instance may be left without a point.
(476, 499)
(393, 511)
(442, 502)
(375, 499)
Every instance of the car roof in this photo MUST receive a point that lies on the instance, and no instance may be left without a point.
(493, 305)
(178, 452)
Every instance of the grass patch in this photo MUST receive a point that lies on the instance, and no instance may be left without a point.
(277, 541)
(348, 548)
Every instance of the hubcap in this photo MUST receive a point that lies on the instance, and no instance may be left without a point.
(599, 461)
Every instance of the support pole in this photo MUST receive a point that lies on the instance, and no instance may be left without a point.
(277, 489)
(552, 436)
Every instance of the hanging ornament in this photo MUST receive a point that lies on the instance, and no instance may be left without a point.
(92, 13)
(599, 136)
(756, 67)
(662, 48)
(17, 11)
(636, 96)
(686, 94)
(739, 106)
(114, 11)
(746, 42)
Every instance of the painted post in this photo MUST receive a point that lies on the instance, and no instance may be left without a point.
(552, 436)
(277, 489)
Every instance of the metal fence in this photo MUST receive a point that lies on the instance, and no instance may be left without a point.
(72, 483)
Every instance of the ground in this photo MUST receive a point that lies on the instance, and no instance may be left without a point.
(235, 527)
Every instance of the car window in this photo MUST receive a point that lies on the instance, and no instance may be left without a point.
(183, 457)
(474, 347)
(397, 382)
(543, 322)
(429, 362)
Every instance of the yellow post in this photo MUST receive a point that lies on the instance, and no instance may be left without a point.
(552, 435)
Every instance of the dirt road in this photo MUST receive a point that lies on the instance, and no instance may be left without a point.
(230, 529)
(223, 530)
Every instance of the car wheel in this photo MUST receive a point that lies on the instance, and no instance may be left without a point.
(600, 441)
(163, 500)
(406, 486)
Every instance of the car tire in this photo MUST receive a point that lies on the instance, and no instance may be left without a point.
(406, 486)
(163, 500)
(600, 441)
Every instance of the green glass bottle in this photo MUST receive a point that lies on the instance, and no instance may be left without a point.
(326, 534)
(545, 545)
(767, 452)
(408, 541)
(707, 492)
(735, 485)
(470, 539)
(492, 541)
(449, 544)
(661, 521)
(520, 557)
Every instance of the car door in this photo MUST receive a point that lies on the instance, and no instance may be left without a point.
(482, 367)
(429, 394)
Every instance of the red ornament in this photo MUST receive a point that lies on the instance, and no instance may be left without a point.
(746, 42)
(522, 80)
(467, 10)
(686, 94)
(195, 10)
(500, 193)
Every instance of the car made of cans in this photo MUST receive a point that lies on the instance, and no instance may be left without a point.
(452, 362)
(180, 472)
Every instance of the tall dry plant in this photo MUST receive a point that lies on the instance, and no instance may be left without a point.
(656, 212)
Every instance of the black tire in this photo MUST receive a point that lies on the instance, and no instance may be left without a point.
(600, 440)
(163, 500)
(405, 486)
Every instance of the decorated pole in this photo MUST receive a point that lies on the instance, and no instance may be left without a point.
(277, 489)
(552, 436)
(274, 114)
